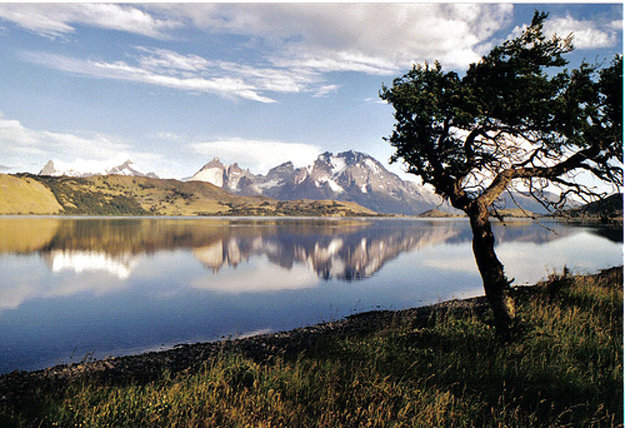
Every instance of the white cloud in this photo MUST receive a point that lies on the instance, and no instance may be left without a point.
(29, 149)
(54, 20)
(17, 138)
(254, 280)
(371, 38)
(193, 73)
(168, 76)
(325, 90)
(163, 59)
(586, 34)
(295, 46)
(258, 155)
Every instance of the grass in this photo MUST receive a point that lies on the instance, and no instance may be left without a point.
(564, 368)
(128, 195)
(25, 195)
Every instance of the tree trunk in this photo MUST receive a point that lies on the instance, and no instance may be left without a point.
(496, 285)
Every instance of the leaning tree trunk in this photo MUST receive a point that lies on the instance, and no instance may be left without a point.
(496, 285)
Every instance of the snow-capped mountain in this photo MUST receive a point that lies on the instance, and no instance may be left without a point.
(127, 169)
(123, 169)
(349, 176)
(231, 178)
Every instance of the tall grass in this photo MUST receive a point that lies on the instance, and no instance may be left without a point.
(564, 368)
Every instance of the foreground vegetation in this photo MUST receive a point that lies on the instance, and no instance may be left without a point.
(437, 366)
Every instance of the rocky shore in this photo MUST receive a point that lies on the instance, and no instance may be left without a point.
(190, 358)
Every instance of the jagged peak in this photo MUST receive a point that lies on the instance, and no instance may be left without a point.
(125, 165)
(48, 168)
(353, 154)
(215, 163)
(233, 168)
(286, 165)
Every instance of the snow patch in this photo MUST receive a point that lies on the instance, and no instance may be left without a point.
(371, 164)
(363, 188)
(338, 165)
(269, 184)
(335, 187)
(212, 175)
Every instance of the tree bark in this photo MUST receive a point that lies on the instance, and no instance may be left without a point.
(496, 285)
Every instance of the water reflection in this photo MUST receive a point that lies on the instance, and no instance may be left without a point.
(79, 261)
(346, 250)
(117, 286)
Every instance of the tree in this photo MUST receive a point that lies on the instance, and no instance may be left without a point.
(516, 119)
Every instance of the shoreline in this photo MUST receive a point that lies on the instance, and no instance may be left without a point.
(436, 365)
(189, 358)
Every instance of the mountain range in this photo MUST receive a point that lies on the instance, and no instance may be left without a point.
(123, 169)
(348, 176)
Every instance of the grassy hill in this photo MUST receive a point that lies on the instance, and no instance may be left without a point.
(127, 195)
(25, 195)
(604, 209)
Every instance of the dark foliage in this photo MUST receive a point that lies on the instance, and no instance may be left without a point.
(515, 117)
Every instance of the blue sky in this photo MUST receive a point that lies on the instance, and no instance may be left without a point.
(171, 86)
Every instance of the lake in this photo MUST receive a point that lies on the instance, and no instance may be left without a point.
(76, 288)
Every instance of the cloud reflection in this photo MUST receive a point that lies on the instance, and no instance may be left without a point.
(263, 277)
(80, 261)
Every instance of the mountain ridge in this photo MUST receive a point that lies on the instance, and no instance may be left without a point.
(348, 176)
(124, 168)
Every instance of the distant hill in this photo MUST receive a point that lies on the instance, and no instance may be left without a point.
(608, 208)
(434, 213)
(133, 195)
(26, 195)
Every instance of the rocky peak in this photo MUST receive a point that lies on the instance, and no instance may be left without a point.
(215, 163)
(349, 175)
(286, 166)
(234, 168)
(48, 169)
(281, 171)
(123, 168)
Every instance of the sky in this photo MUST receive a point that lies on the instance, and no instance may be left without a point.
(171, 86)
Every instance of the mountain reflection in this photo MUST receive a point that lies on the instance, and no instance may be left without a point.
(342, 249)
(348, 253)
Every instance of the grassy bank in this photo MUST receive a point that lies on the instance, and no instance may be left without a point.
(437, 366)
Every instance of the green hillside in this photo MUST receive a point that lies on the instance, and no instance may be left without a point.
(128, 195)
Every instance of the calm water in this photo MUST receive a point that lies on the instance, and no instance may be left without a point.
(73, 286)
